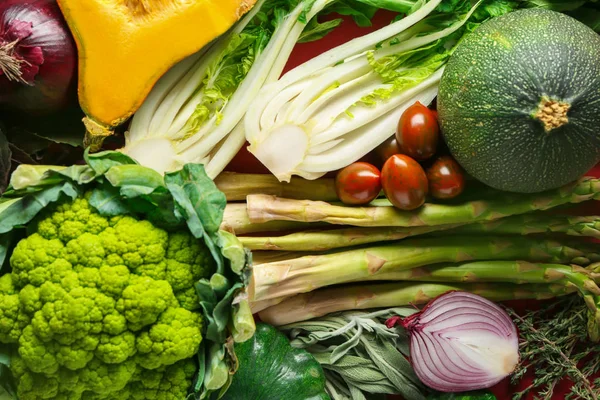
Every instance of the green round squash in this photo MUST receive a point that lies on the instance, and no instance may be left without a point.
(271, 369)
(519, 101)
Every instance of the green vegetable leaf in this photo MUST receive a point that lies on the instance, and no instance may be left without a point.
(206, 200)
(234, 251)
(102, 162)
(306, 9)
(404, 70)
(107, 200)
(22, 210)
(5, 162)
(134, 181)
(270, 367)
(208, 302)
(226, 72)
(451, 6)
(4, 395)
(7, 385)
(30, 178)
(200, 203)
(361, 11)
(230, 66)
(401, 6)
(217, 315)
(26, 176)
(316, 30)
(494, 8)
(556, 5)
(243, 321)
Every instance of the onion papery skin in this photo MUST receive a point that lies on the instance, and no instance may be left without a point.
(47, 53)
(461, 342)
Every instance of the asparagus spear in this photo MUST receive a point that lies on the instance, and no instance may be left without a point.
(499, 271)
(512, 272)
(236, 220)
(526, 224)
(303, 274)
(336, 238)
(258, 306)
(382, 295)
(266, 257)
(483, 271)
(264, 208)
(237, 186)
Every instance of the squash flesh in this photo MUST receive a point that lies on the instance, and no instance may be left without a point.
(125, 46)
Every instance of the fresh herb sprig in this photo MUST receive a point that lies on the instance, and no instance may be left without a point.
(555, 346)
(360, 356)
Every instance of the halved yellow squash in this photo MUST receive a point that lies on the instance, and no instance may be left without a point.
(125, 46)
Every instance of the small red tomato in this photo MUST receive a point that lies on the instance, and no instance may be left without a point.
(418, 132)
(387, 149)
(404, 182)
(446, 178)
(358, 183)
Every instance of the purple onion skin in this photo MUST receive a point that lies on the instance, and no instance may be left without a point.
(45, 42)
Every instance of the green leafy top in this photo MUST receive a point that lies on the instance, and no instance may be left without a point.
(185, 199)
(361, 12)
(228, 69)
(405, 69)
(402, 70)
(230, 66)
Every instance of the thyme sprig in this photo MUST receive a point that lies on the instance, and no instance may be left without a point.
(554, 345)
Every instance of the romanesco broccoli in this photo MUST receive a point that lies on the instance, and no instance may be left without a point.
(102, 308)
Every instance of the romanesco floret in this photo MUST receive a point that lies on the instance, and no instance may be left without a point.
(102, 308)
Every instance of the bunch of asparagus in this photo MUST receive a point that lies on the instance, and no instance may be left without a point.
(313, 257)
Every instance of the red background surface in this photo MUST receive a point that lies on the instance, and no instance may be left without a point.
(245, 162)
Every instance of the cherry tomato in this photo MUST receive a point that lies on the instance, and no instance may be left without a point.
(358, 183)
(418, 132)
(446, 178)
(404, 182)
(387, 149)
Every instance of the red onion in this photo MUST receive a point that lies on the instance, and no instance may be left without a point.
(38, 57)
(461, 342)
